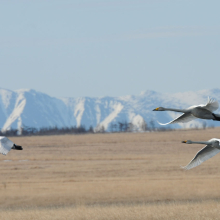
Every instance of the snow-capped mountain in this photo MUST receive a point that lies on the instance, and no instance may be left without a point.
(30, 108)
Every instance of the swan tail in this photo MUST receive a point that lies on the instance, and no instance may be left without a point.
(17, 147)
(216, 117)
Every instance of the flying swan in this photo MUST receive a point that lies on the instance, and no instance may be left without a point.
(6, 145)
(195, 111)
(210, 150)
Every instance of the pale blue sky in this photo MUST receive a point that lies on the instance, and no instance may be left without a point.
(108, 47)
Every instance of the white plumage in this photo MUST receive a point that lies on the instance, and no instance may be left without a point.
(6, 145)
(193, 112)
(210, 150)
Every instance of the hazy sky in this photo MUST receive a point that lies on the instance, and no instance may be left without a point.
(109, 47)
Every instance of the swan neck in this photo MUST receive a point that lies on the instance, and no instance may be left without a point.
(175, 110)
(201, 142)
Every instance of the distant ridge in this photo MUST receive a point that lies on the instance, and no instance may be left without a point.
(27, 107)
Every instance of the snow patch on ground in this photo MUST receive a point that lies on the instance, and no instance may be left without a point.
(5, 96)
(98, 114)
(15, 115)
(138, 121)
(117, 109)
(78, 113)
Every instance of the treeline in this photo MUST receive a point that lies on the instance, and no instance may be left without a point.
(130, 127)
(114, 127)
(29, 131)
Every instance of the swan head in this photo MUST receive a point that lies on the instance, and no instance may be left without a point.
(187, 142)
(159, 109)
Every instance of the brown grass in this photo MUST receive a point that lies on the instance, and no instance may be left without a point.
(121, 176)
(169, 210)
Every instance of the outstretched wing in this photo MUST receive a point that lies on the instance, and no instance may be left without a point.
(211, 105)
(186, 117)
(5, 145)
(203, 155)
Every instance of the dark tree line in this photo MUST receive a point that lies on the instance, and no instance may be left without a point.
(25, 131)
(130, 127)
(113, 127)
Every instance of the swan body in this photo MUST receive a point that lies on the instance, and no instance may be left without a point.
(6, 145)
(210, 150)
(193, 112)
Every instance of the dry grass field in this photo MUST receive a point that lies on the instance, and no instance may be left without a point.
(109, 176)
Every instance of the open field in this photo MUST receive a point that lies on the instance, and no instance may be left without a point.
(109, 176)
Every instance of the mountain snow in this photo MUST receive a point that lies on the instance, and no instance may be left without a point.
(29, 108)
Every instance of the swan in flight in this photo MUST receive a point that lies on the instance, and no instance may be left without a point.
(210, 150)
(6, 145)
(195, 111)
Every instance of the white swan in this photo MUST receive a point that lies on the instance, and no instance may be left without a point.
(211, 149)
(6, 145)
(195, 111)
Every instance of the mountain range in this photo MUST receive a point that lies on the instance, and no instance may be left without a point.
(30, 108)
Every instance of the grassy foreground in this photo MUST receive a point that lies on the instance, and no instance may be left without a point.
(109, 176)
(166, 210)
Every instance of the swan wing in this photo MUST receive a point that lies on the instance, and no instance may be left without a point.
(206, 153)
(211, 105)
(185, 117)
(5, 145)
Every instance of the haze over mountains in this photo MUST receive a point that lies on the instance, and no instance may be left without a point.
(27, 107)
